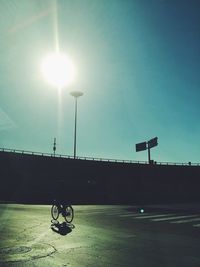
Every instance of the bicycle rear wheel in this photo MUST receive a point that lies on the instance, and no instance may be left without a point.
(54, 212)
(69, 214)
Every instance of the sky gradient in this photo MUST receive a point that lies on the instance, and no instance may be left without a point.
(137, 63)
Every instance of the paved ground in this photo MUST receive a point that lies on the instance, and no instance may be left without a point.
(120, 236)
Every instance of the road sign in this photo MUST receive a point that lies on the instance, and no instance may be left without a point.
(153, 142)
(141, 146)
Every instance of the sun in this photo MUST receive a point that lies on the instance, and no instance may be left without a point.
(58, 69)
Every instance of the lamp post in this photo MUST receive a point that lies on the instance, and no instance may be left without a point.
(75, 94)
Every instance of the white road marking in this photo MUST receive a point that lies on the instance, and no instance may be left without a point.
(186, 221)
(154, 216)
(132, 214)
(196, 225)
(105, 212)
(115, 213)
(174, 218)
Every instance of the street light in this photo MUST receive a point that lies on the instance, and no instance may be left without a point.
(75, 94)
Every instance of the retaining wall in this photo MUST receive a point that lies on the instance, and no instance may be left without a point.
(39, 179)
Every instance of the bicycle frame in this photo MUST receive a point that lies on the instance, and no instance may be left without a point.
(65, 210)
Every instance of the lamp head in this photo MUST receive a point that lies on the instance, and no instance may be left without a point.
(76, 93)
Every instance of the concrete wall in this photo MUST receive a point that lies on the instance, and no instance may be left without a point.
(39, 179)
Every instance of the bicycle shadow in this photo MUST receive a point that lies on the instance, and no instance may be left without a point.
(61, 228)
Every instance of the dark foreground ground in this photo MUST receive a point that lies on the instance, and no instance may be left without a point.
(120, 236)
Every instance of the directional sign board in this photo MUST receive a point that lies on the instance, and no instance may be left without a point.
(153, 142)
(141, 146)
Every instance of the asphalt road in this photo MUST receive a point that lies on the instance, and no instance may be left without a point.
(101, 236)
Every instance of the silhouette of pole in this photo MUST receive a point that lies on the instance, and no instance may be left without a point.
(54, 146)
(149, 154)
(75, 94)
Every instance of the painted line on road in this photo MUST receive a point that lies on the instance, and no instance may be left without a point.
(196, 225)
(132, 214)
(174, 218)
(117, 213)
(154, 216)
(186, 221)
(105, 212)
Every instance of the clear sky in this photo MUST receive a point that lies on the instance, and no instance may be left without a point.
(137, 62)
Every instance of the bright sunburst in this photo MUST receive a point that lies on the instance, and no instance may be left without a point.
(58, 69)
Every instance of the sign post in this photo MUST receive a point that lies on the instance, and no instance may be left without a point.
(149, 155)
(151, 143)
(147, 145)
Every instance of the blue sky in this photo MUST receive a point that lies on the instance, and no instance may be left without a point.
(137, 63)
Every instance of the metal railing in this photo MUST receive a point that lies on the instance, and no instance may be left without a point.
(27, 152)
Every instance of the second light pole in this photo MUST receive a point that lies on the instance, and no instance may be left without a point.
(75, 94)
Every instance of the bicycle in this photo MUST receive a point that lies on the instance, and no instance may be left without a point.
(66, 211)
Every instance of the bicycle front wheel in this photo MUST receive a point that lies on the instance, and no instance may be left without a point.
(69, 214)
(54, 212)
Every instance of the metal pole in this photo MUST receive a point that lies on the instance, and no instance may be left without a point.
(75, 94)
(75, 127)
(54, 147)
(149, 155)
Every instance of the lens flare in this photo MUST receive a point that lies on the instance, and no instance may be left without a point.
(58, 69)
